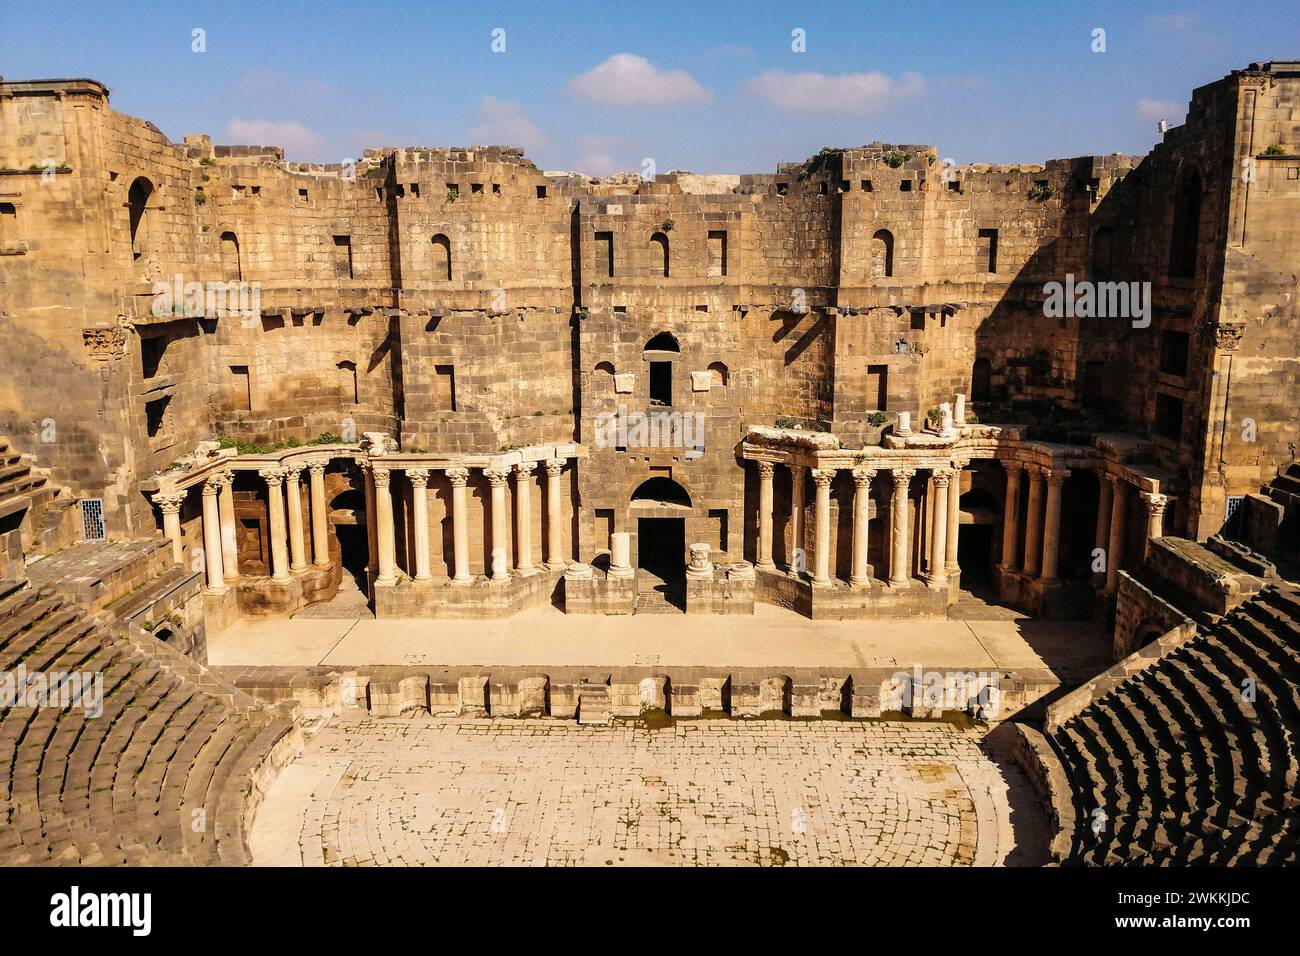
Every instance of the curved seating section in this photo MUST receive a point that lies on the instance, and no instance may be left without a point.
(168, 773)
(1194, 760)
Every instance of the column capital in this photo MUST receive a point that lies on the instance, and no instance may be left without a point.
(766, 469)
(797, 469)
(822, 476)
(496, 476)
(293, 470)
(941, 476)
(1056, 476)
(419, 476)
(862, 476)
(459, 477)
(273, 476)
(316, 466)
(554, 466)
(524, 470)
(902, 476)
(1117, 481)
(1156, 503)
(382, 475)
(170, 501)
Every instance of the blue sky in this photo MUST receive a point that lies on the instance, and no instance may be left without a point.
(706, 86)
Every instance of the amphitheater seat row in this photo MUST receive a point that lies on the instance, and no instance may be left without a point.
(163, 770)
(1193, 761)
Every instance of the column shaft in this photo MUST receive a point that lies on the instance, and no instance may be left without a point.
(1010, 516)
(229, 532)
(212, 538)
(765, 471)
(1034, 524)
(1101, 540)
(320, 544)
(500, 534)
(939, 530)
(384, 535)
(459, 477)
(1052, 527)
(822, 530)
(797, 510)
(554, 539)
(954, 523)
(1115, 552)
(297, 544)
(275, 518)
(900, 574)
(169, 503)
(860, 576)
(524, 517)
(420, 512)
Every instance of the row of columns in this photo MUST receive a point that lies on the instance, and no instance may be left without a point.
(1042, 533)
(943, 541)
(380, 501)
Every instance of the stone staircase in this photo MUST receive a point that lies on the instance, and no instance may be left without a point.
(594, 704)
(1178, 765)
(169, 773)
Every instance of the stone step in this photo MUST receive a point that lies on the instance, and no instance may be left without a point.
(593, 704)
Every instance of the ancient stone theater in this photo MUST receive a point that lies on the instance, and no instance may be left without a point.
(870, 385)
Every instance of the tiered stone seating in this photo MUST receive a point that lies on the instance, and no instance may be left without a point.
(168, 773)
(1177, 765)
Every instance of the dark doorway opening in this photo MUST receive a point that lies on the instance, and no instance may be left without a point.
(661, 560)
(348, 516)
(974, 555)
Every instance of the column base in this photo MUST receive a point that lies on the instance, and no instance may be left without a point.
(297, 568)
(556, 564)
(526, 572)
(766, 565)
(462, 580)
(901, 585)
(937, 583)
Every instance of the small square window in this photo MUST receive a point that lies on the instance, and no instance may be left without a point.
(905, 185)
(302, 195)
(866, 186)
(476, 189)
(541, 192)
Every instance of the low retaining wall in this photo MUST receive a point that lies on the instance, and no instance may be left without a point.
(1033, 754)
(481, 598)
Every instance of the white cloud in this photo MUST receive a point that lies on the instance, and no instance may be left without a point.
(300, 143)
(857, 93)
(507, 125)
(626, 79)
(597, 158)
(1152, 110)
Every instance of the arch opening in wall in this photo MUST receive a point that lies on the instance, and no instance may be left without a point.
(981, 380)
(719, 376)
(663, 342)
(882, 254)
(1186, 231)
(660, 492)
(603, 378)
(659, 248)
(441, 258)
(349, 387)
(137, 201)
(230, 266)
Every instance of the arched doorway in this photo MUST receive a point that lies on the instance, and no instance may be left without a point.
(347, 515)
(660, 506)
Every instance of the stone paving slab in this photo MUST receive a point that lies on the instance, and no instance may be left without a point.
(434, 791)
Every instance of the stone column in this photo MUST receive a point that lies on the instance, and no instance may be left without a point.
(459, 478)
(385, 541)
(1102, 539)
(797, 505)
(500, 550)
(524, 517)
(765, 471)
(954, 518)
(1052, 526)
(555, 540)
(1034, 523)
(900, 574)
(620, 555)
(297, 544)
(320, 545)
(212, 536)
(1118, 511)
(822, 529)
(1010, 516)
(1155, 505)
(275, 514)
(169, 503)
(942, 478)
(860, 576)
(420, 506)
(372, 549)
(229, 534)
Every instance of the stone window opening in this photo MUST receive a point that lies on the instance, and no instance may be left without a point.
(981, 380)
(782, 189)
(541, 192)
(718, 252)
(441, 258)
(866, 186)
(137, 200)
(659, 248)
(1186, 229)
(349, 387)
(986, 251)
(719, 376)
(882, 254)
(230, 267)
(605, 253)
(302, 196)
(8, 223)
(476, 189)
(905, 185)
(343, 257)
(606, 385)
(661, 384)
(415, 190)
(243, 388)
(718, 527)
(878, 388)
(155, 415)
(152, 349)
(444, 390)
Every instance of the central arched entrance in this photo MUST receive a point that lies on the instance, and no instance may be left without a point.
(660, 506)
(347, 515)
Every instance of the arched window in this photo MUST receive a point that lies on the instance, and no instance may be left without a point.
(660, 491)
(659, 249)
(348, 390)
(719, 375)
(1103, 252)
(603, 380)
(663, 342)
(230, 269)
(660, 352)
(981, 381)
(441, 258)
(1187, 226)
(137, 201)
(882, 254)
